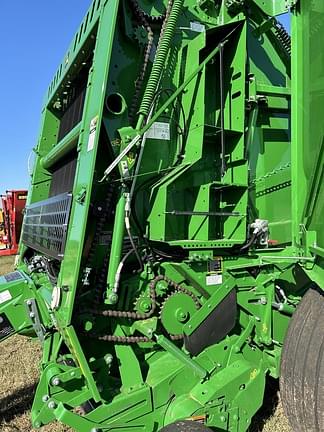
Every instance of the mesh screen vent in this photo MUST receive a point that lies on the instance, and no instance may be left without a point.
(45, 225)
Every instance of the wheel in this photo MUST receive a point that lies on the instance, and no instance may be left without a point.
(302, 366)
(185, 426)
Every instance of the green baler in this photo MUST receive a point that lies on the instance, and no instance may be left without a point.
(172, 253)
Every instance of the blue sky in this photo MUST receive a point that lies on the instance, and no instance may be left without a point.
(35, 36)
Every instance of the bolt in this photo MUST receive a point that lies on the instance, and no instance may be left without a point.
(109, 359)
(29, 303)
(45, 398)
(181, 315)
(37, 425)
(146, 306)
(235, 417)
(113, 298)
(263, 301)
(32, 315)
(223, 419)
(56, 381)
(51, 405)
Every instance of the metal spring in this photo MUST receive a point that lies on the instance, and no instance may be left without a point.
(160, 58)
(283, 37)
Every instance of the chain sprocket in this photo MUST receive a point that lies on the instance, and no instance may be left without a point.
(141, 35)
(176, 310)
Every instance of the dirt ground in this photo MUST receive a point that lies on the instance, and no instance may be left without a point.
(19, 359)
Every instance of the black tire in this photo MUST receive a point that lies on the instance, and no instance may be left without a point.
(302, 366)
(185, 426)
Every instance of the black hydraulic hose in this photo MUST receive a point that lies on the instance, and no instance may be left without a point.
(249, 243)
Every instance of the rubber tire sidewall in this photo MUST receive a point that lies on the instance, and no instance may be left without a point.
(302, 365)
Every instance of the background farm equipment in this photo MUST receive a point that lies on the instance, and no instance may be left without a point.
(11, 218)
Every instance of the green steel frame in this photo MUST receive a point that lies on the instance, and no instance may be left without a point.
(187, 139)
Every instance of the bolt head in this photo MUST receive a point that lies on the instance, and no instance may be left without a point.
(109, 359)
(113, 298)
(51, 405)
(56, 381)
(263, 300)
(32, 315)
(45, 398)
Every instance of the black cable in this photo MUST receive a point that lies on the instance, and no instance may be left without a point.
(249, 243)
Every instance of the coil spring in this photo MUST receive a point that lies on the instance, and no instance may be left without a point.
(283, 37)
(160, 58)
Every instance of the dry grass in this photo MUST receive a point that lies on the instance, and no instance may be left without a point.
(19, 359)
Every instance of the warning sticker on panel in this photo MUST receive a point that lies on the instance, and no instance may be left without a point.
(215, 279)
(197, 27)
(92, 135)
(5, 296)
(6, 328)
(159, 130)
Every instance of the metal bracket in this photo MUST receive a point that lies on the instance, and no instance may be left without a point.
(291, 3)
(33, 314)
(235, 5)
(276, 7)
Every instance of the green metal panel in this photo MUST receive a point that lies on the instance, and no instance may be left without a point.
(308, 132)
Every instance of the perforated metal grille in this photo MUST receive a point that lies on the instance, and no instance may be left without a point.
(11, 277)
(45, 225)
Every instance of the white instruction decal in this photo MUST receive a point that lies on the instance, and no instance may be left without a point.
(197, 27)
(215, 279)
(92, 135)
(5, 296)
(159, 130)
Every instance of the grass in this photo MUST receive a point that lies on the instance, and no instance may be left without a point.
(19, 360)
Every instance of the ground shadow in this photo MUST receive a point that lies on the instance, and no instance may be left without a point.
(16, 403)
(270, 403)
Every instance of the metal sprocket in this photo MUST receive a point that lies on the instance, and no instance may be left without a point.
(176, 310)
(140, 34)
